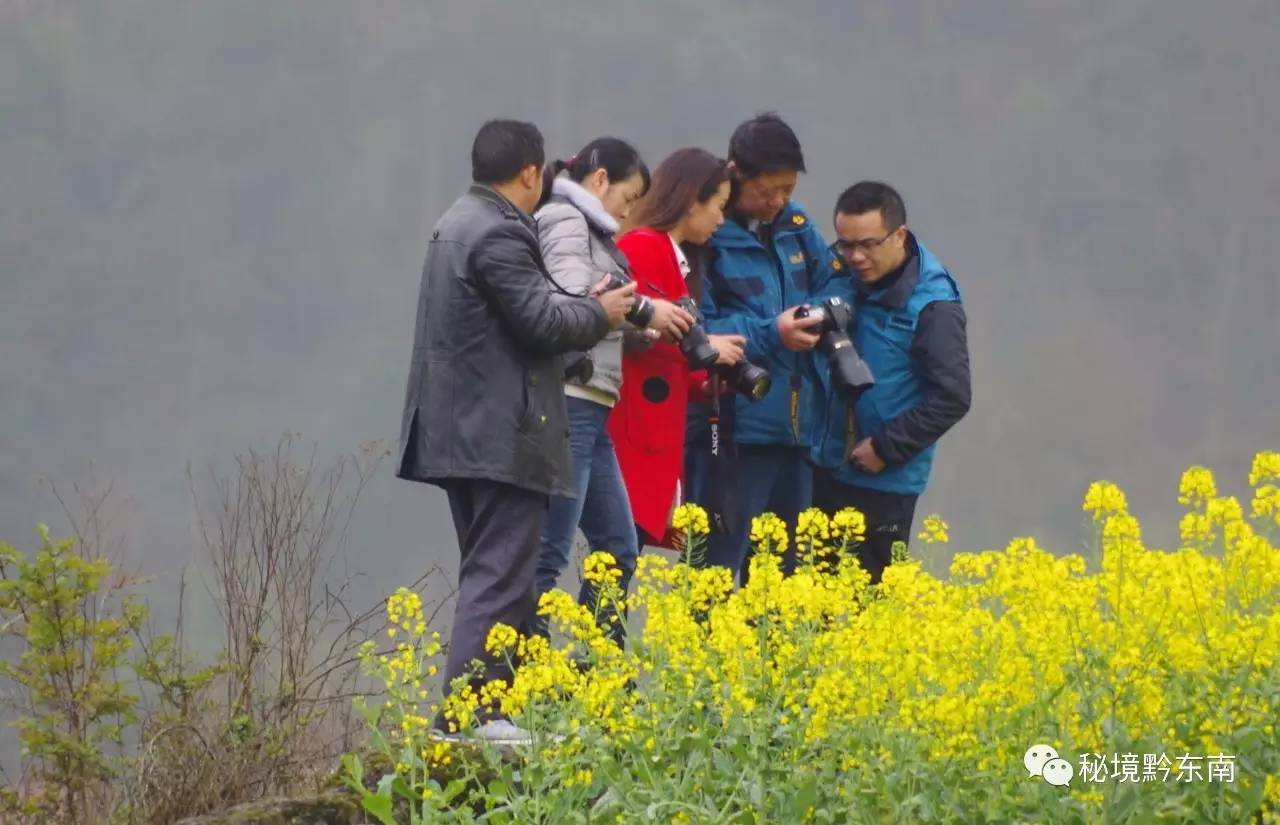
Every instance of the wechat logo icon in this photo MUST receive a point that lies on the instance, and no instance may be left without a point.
(1043, 761)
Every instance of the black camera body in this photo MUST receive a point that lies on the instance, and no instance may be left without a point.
(849, 373)
(695, 345)
(744, 377)
(579, 366)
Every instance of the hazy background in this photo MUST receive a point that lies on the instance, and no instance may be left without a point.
(213, 217)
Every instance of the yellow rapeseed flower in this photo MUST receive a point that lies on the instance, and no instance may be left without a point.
(692, 519)
(935, 670)
(501, 638)
(1266, 468)
(1266, 503)
(769, 533)
(1196, 487)
(601, 568)
(848, 526)
(1103, 499)
(935, 530)
(1195, 530)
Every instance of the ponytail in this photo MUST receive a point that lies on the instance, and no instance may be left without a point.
(549, 175)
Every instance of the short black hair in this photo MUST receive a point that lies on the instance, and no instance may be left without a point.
(765, 144)
(869, 195)
(504, 147)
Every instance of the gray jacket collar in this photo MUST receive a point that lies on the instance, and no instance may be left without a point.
(586, 203)
(504, 204)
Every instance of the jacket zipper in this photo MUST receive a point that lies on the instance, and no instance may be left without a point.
(793, 392)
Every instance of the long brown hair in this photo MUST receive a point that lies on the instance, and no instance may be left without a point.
(685, 177)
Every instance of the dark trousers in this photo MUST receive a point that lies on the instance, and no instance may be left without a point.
(766, 479)
(888, 515)
(498, 530)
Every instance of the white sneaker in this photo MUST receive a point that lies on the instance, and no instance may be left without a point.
(503, 733)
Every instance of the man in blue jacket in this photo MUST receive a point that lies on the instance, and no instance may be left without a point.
(764, 261)
(910, 329)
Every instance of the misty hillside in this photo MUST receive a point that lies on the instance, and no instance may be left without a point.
(213, 217)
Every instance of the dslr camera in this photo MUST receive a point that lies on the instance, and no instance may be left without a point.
(641, 311)
(744, 377)
(849, 373)
(578, 366)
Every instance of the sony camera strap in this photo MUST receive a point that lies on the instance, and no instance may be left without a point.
(720, 481)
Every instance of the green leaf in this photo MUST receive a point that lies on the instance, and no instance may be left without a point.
(454, 788)
(386, 784)
(353, 771)
(400, 788)
(1251, 797)
(1248, 739)
(378, 806)
(607, 800)
(803, 799)
(1145, 817)
(1124, 805)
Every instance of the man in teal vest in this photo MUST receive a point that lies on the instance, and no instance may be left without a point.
(764, 261)
(910, 329)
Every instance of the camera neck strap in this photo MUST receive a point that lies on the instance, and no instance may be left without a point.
(718, 504)
(850, 429)
(713, 417)
(795, 387)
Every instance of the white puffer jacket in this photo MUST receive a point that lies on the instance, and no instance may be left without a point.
(576, 236)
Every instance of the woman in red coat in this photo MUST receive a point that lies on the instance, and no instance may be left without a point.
(684, 205)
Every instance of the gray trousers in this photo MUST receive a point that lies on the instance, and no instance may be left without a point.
(499, 534)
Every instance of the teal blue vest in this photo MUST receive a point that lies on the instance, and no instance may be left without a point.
(885, 328)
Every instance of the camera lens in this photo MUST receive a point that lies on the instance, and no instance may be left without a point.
(752, 381)
(641, 312)
(849, 373)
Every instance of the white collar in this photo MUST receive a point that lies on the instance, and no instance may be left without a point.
(588, 204)
(681, 258)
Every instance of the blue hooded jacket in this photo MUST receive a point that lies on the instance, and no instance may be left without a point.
(746, 287)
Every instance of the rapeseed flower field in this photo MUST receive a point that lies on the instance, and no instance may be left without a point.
(814, 697)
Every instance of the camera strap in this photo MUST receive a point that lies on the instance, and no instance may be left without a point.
(850, 429)
(719, 498)
(795, 386)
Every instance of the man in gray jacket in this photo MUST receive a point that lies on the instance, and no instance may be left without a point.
(484, 413)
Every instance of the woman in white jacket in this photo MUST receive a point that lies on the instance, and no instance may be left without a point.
(585, 198)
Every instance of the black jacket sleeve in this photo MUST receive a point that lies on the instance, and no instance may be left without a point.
(506, 268)
(940, 355)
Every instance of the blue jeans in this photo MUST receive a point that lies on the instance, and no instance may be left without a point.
(601, 507)
(768, 479)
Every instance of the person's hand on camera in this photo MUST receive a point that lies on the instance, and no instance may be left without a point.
(669, 321)
(729, 347)
(616, 302)
(798, 334)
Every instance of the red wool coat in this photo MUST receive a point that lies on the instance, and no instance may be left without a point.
(647, 423)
